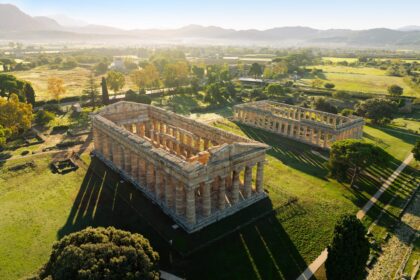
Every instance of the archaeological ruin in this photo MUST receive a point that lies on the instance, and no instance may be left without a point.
(196, 173)
(313, 127)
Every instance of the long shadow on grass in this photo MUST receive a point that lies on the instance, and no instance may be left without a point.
(247, 245)
(290, 152)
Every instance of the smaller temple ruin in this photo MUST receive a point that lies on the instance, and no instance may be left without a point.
(196, 173)
(313, 127)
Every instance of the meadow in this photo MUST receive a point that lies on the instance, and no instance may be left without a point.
(362, 79)
(75, 80)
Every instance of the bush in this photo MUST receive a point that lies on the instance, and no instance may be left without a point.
(377, 109)
(341, 94)
(53, 108)
(329, 85)
(43, 117)
(139, 98)
(101, 253)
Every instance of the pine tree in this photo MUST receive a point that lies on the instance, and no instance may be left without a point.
(105, 94)
(349, 250)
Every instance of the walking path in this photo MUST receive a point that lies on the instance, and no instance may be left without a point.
(320, 260)
(385, 185)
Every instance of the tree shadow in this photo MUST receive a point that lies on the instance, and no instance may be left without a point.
(399, 133)
(291, 152)
(252, 236)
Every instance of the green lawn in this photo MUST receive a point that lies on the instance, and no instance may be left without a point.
(278, 246)
(362, 79)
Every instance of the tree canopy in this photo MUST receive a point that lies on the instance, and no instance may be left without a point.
(15, 116)
(353, 154)
(379, 110)
(101, 253)
(348, 251)
(56, 87)
(115, 80)
(395, 90)
(256, 70)
(322, 104)
(416, 150)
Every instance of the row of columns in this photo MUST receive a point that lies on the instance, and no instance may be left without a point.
(318, 136)
(186, 201)
(171, 138)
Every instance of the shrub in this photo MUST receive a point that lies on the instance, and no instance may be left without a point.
(43, 117)
(322, 104)
(53, 108)
(139, 98)
(101, 253)
(329, 85)
(341, 94)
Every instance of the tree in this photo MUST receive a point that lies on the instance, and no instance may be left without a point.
(9, 84)
(348, 251)
(29, 93)
(377, 109)
(56, 88)
(91, 90)
(15, 115)
(355, 155)
(43, 117)
(416, 150)
(137, 97)
(139, 78)
(255, 70)
(101, 68)
(395, 90)
(329, 85)
(152, 76)
(275, 90)
(4, 134)
(101, 253)
(321, 104)
(175, 74)
(105, 94)
(115, 80)
(317, 83)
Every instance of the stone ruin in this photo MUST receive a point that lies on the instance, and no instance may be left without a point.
(196, 173)
(313, 127)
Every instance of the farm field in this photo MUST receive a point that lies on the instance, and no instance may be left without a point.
(353, 59)
(74, 80)
(362, 79)
(278, 246)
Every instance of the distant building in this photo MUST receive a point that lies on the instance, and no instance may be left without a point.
(118, 62)
(252, 82)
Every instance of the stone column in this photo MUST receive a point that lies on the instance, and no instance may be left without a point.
(206, 144)
(97, 140)
(127, 160)
(206, 186)
(179, 197)
(158, 183)
(134, 166)
(190, 211)
(222, 193)
(235, 186)
(260, 177)
(248, 181)
(117, 154)
(142, 172)
(106, 147)
(325, 143)
(150, 176)
(168, 191)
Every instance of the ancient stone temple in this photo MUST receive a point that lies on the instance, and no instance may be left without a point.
(313, 127)
(196, 173)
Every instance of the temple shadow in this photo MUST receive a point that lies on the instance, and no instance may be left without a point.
(249, 244)
(290, 152)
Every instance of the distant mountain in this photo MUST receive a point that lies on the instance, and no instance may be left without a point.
(410, 28)
(66, 21)
(14, 24)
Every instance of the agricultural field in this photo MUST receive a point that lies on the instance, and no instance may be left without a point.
(74, 80)
(362, 79)
(353, 59)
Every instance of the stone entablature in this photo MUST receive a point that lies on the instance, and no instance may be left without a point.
(196, 173)
(313, 127)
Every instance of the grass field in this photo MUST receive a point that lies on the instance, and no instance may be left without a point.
(278, 246)
(74, 80)
(362, 79)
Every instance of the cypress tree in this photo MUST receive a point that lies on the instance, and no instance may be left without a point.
(105, 94)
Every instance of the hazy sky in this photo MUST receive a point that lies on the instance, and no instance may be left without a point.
(238, 14)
